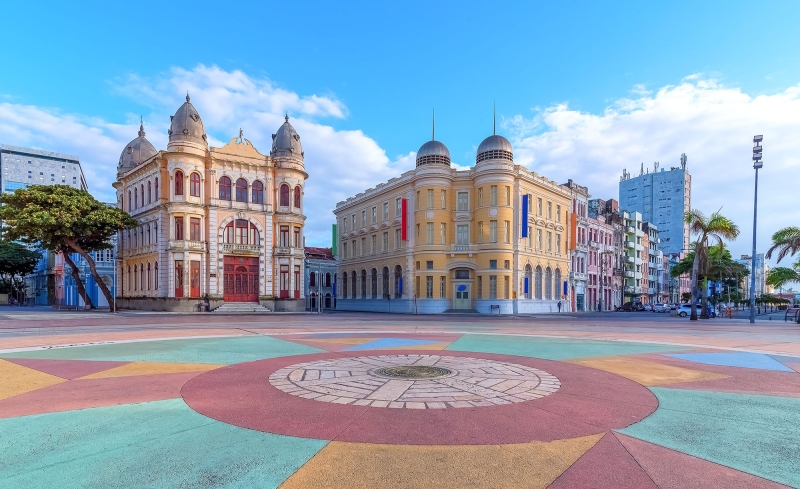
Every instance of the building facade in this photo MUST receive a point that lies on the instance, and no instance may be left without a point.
(663, 198)
(20, 167)
(104, 261)
(635, 257)
(493, 238)
(762, 269)
(321, 267)
(600, 295)
(579, 247)
(224, 224)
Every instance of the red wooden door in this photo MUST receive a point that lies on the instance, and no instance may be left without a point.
(178, 278)
(284, 283)
(194, 278)
(240, 280)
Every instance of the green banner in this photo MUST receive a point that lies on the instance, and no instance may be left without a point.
(334, 241)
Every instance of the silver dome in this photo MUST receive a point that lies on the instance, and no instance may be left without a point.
(136, 152)
(495, 148)
(433, 152)
(186, 125)
(286, 141)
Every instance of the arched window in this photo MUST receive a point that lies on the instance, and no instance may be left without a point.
(538, 282)
(258, 192)
(385, 282)
(327, 279)
(130, 201)
(135, 277)
(149, 192)
(194, 184)
(312, 279)
(557, 283)
(398, 282)
(149, 238)
(135, 198)
(344, 285)
(354, 278)
(363, 284)
(178, 182)
(284, 200)
(241, 231)
(297, 192)
(548, 284)
(142, 195)
(241, 190)
(155, 188)
(528, 285)
(149, 277)
(374, 283)
(224, 188)
(155, 278)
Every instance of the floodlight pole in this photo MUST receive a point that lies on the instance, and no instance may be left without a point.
(757, 164)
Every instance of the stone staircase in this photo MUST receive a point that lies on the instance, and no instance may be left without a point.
(241, 308)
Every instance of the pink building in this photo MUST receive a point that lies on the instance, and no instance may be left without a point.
(600, 264)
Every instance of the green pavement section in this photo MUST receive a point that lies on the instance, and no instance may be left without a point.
(199, 350)
(553, 348)
(755, 434)
(153, 444)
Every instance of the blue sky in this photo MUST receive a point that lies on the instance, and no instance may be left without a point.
(583, 89)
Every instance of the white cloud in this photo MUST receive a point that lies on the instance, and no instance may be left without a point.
(340, 163)
(711, 123)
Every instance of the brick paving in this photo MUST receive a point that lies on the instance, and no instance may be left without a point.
(472, 382)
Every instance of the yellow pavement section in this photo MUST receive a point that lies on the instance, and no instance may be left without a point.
(646, 372)
(364, 465)
(151, 368)
(16, 379)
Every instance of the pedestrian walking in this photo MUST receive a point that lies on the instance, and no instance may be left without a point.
(559, 306)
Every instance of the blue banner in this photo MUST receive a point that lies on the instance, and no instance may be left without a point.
(400, 286)
(566, 291)
(526, 285)
(525, 217)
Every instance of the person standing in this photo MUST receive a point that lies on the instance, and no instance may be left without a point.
(559, 306)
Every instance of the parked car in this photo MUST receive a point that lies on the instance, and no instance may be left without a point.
(684, 310)
(631, 307)
(647, 308)
(660, 308)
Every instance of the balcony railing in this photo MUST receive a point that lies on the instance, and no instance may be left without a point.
(630, 230)
(187, 245)
(288, 251)
(651, 290)
(628, 274)
(239, 249)
(630, 259)
(630, 244)
(462, 248)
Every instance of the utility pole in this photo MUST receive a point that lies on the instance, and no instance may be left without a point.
(757, 164)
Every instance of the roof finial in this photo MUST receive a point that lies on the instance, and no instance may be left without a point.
(187, 95)
(141, 127)
(433, 125)
(287, 116)
(494, 123)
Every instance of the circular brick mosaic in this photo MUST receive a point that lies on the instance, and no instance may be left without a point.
(415, 381)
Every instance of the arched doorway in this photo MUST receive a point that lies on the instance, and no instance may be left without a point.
(241, 279)
(398, 282)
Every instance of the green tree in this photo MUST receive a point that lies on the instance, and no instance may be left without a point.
(714, 228)
(786, 242)
(63, 219)
(780, 276)
(16, 261)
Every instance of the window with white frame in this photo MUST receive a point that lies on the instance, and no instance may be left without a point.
(462, 203)
(493, 231)
(506, 231)
(442, 233)
(493, 195)
(429, 233)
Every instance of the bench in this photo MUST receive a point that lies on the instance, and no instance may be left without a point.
(792, 314)
(493, 307)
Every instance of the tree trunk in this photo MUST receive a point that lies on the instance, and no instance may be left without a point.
(76, 276)
(695, 270)
(704, 299)
(102, 285)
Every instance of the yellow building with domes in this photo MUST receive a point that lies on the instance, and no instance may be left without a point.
(219, 223)
(493, 238)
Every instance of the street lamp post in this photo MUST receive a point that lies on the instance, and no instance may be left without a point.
(757, 164)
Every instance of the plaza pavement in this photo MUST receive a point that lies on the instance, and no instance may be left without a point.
(325, 400)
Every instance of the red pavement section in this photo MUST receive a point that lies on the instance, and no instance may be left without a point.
(742, 380)
(589, 401)
(606, 464)
(66, 369)
(674, 470)
(90, 393)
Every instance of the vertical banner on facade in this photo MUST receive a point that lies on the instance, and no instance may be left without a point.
(334, 241)
(526, 283)
(565, 288)
(525, 220)
(404, 220)
(400, 286)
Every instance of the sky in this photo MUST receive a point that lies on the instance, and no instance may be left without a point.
(583, 90)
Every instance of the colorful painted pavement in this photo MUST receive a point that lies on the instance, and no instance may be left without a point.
(375, 409)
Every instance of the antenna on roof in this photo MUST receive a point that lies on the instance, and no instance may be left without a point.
(187, 95)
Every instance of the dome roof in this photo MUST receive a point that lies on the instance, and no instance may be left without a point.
(433, 152)
(286, 141)
(136, 152)
(495, 148)
(186, 125)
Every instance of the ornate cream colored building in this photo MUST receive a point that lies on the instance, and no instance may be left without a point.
(493, 238)
(226, 222)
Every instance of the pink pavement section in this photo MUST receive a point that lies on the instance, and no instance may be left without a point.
(589, 401)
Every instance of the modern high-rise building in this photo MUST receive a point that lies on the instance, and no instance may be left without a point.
(762, 269)
(662, 197)
(20, 167)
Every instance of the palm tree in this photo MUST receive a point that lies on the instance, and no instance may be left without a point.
(786, 241)
(715, 228)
